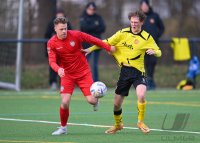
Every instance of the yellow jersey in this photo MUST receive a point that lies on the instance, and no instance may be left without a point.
(131, 48)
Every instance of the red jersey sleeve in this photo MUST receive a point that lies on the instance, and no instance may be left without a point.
(52, 56)
(93, 40)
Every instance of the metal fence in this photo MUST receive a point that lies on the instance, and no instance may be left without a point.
(29, 57)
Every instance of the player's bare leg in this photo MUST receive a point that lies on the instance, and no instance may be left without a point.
(64, 114)
(93, 101)
(118, 100)
(141, 104)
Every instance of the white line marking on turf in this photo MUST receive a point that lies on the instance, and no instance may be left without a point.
(18, 141)
(93, 125)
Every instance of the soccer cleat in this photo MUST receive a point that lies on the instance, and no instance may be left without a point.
(144, 128)
(96, 106)
(60, 131)
(114, 129)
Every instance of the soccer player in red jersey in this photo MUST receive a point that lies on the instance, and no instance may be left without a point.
(67, 58)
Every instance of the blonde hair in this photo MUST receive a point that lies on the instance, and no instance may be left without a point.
(138, 14)
(58, 20)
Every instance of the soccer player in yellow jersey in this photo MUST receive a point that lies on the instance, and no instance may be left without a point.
(131, 45)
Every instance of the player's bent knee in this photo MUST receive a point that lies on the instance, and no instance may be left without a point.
(65, 101)
(141, 95)
(91, 100)
(64, 105)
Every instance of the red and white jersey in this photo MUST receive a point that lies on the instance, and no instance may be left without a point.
(67, 53)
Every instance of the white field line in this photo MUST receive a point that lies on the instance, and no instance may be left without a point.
(93, 125)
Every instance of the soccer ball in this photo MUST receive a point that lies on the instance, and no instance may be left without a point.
(98, 89)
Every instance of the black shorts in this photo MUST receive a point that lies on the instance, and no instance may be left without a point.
(129, 76)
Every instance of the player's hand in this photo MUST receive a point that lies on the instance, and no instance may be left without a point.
(112, 50)
(150, 52)
(85, 51)
(61, 72)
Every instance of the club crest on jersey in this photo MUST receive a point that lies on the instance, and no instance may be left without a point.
(136, 41)
(72, 43)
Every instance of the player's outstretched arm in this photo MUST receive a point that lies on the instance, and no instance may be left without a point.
(93, 48)
(152, 48)
(112, 50)
(156, 53)
(95, 41)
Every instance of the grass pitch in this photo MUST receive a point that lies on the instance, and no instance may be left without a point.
(31, 116)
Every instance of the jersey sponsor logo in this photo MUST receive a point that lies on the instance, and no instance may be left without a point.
(72, 43)
(136, 41)
(127, 45)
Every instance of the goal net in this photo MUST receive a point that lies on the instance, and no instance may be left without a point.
(7, 65)
(10, 52)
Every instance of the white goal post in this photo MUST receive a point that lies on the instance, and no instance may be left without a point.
(17, 84)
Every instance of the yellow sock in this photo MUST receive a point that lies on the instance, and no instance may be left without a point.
(141, 111)
(118, 117)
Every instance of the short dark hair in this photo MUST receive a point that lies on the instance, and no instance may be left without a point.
(58, 20)
(137, 13)
(145, 1)
(91, 4)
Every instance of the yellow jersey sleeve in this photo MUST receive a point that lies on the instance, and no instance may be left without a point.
(93, 48)
(113, 40)
(151, 44)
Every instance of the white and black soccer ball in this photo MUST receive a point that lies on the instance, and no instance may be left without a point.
(98, 89)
